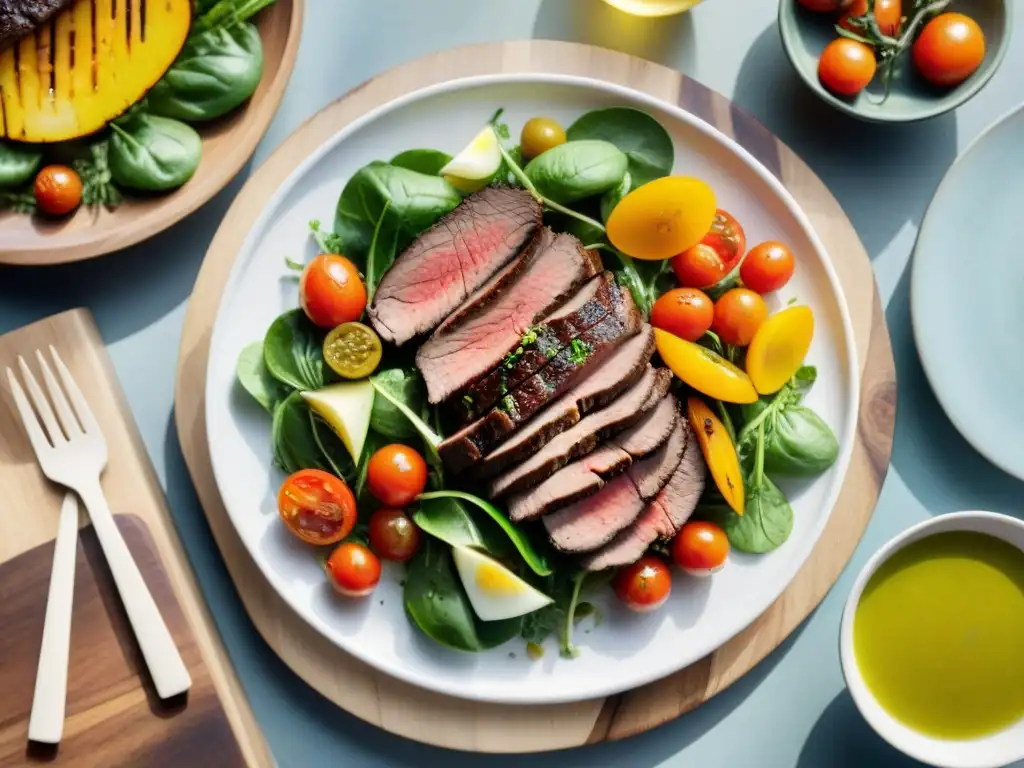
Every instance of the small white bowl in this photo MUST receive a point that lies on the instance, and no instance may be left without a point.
(999, 749)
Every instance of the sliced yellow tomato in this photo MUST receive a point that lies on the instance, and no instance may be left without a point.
(353, 350)
(704, 370)
(779, 347)
(719, 452)
(662, 218)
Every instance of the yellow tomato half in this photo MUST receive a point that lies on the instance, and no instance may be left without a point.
(779, 347)
(704, 370)
(662, 218)
(719, 452)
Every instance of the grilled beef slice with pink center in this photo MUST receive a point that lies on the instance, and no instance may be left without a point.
(587, 475)
(592, 522)
(460, 352)
(589, 349)
(588, 307)
(451, 260)
(663, 516)
(582, 438)
(600, 387)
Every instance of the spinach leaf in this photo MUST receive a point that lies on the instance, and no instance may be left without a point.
(428, 161)
(643, 139)
(17, 164)
(215, 13)
(447, 519)
(295, 445)
(437, 604)
(216, 71)
(537, 562)
(577, 170)
(405, 386)
(364, 499)
(384, 387)
(613, 196)
(560, 617)
(256, 379)
(292, 351)
(383, 252)
(332, 449)
(153, 153)
(414, 201)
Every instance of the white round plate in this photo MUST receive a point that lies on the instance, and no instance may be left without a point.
(967, 265)
(626, 650)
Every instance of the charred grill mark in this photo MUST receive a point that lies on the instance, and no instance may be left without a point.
(93, 64)
(143, 6)
(128, 24)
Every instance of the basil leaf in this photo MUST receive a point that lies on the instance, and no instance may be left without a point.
(256, 379)
(153, 153)
(404, 386)
(428, 161)
(577, 170)
(645, 142)
(17, 164)
(765, 524)
(798, 443)
(292, 351)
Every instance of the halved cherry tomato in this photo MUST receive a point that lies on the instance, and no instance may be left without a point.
(58, 190)
(331, 291)
(888, 15)
(317, 506)
(353, 569)
(700, 548)
(846, 66)
(645, 585)
(353, 350)
(539, 135)
(767, 267)
(396, 474)
(779, 347)
(949, 49)
(685, 312)
(393, 535)
(738, 314)
(714, 256)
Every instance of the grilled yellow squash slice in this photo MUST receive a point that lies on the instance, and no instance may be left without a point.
(87, 65)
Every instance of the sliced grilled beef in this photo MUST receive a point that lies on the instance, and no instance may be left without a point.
(451, 260)
(592, 522)
(587, 308)
(600, 387)
(20, 18)
(499, 322)
(583, 437)
(663, 516)
(589, 349)
(657, 423)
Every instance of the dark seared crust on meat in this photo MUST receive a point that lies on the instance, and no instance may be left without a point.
(20, 18)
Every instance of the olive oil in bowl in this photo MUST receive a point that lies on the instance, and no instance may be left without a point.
(938, 635)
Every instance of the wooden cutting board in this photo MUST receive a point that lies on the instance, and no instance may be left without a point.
(428, 717)
(113, 715)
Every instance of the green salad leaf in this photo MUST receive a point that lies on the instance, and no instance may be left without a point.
(404, 386)
(153, 153)
(644, 140)
(385, 387)
(291, 434)
(577, 170)
(428, 161)
(18, 164)
(256, 379)
(292, 351)
(332, 449)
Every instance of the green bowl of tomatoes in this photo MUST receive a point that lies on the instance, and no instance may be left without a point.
(894, 61)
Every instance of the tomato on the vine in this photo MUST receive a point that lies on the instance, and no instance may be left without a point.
(353, 569)
(738, 315)
(846, 66)
(331, 291)
(768, 267)
(396, 474)
(714, 256)
(58, 190)
(824, 6)
(949, 49)
(393, 535)
(684, 312)
(645, 585)
(888, 15)
(317, 506)
(700, 548)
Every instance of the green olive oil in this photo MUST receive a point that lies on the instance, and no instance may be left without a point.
(938, 635)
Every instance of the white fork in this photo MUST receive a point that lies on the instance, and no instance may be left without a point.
(73, 452)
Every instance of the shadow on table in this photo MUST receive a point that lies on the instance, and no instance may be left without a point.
(667, 40)
(882, 175)
(934, 461)
(127, 290)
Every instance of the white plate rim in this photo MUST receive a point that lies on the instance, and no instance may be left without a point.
(798, 557)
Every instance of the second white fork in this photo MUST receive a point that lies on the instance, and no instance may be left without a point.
(72, 451)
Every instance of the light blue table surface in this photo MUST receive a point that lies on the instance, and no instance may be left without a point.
(793, 709)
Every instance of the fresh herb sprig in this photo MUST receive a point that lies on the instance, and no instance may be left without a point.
(18, 200)
(97, 185)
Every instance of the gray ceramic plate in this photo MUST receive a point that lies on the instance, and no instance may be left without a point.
(965, 293)
(805, 35)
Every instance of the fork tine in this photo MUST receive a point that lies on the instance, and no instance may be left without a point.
(82, 409)
(28, 416)
(41, 403)
(60, 402)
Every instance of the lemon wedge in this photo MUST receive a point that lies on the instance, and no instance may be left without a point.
(474, 167)
(346, 408)
(493, 590)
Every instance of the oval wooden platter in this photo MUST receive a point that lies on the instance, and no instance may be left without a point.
(227, 144)
(431, 718)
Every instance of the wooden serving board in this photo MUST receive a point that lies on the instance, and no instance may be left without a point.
(228, 143)
(428, 717)
(113, 716)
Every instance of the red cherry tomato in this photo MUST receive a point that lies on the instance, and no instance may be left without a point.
(738, 315)
(888, 15)
(645, 585)
(824, 6)
(767, 267)
(846, 66)
(353, 569)
(710, 260)
(331, 291)
(317, 506)
(700, 548)
(58, 190)
(396, 474)
(685, 312)
(949, 49)
(393, 535)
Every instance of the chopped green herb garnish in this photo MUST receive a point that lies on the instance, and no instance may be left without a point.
(579, 351)
(550, 352)
(507, 404)
(468, 400)
(530, 337)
